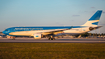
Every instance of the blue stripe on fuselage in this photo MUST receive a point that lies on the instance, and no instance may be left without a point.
(15, 29)
(45, 28)
(18, 29)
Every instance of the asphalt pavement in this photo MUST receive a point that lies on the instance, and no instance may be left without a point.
(57, 40)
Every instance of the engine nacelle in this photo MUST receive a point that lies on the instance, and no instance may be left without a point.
(37, 36)
(91, 28)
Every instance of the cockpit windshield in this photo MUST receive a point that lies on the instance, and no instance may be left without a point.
(6, 30)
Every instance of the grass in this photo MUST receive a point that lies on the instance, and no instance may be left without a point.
(52, 50)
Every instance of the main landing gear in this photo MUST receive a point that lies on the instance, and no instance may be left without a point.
(51, 38)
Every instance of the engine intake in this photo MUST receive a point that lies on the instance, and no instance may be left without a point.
(37, 36)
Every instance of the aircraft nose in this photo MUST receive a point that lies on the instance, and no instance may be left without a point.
(4, 32)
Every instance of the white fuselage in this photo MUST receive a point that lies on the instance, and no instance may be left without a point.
(45, 32)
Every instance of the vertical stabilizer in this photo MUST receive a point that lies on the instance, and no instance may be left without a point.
(93, 21)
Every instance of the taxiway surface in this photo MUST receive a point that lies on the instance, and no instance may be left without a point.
(59, 40)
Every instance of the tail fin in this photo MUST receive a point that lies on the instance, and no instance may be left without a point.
(93, 21)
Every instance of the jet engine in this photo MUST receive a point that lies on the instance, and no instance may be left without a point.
(93, 28)
(37, 36)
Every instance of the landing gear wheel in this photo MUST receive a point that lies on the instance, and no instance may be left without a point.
(51, 38)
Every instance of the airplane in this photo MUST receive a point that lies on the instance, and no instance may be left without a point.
(51, 32)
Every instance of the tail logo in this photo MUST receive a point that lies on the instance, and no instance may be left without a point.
(94, 20)
(95, 23)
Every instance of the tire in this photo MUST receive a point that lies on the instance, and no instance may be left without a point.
(52, 38)
(49, 39)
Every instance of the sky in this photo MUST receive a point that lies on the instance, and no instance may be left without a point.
(49, 13)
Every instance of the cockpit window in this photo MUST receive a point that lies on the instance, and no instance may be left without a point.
(6, 30)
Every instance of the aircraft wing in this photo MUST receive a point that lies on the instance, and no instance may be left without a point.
(55, 31)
